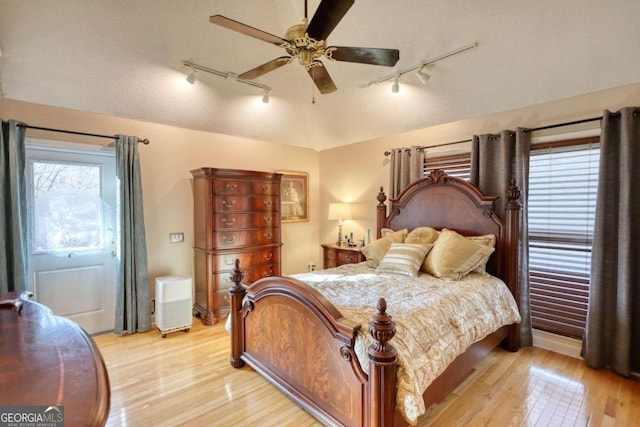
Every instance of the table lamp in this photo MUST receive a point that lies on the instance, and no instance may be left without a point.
(340, 212)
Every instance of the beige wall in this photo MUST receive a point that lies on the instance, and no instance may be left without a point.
(166, 163)
(354, 173)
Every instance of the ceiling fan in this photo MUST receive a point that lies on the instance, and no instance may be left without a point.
(307, 44)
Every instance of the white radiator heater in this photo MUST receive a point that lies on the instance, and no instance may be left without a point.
(173, 304)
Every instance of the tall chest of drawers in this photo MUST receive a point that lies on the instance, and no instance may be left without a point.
(236, 215)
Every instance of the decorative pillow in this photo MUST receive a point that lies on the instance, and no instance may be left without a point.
(486, 240)
(386, 231)
(453, 256)
(404, 259)
(375, 251)
(422, 235)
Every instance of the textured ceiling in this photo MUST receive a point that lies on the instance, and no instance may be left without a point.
(124, 58)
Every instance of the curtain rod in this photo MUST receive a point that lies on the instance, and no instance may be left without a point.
(388, 153)
(576, 122)
(145, 141)
(557, 125)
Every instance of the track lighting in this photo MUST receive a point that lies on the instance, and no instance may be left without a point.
(423, 76)
(421, 73)
(395, 87)
(191, 78)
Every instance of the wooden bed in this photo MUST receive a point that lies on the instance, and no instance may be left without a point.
(340, 392)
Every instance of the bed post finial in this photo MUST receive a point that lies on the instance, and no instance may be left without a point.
(382, 368)
(381, 220)
(513, 194)
(236, 295)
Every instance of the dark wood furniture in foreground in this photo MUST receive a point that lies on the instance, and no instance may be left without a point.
(321, 341)
(335, 256)
(236, 215)
(49, 360)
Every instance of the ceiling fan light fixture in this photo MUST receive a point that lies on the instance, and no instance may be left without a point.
(423, 76)
(265, 97)
(191, 77)
(395, 87)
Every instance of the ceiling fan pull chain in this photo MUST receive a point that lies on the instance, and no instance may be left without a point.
(313, 86)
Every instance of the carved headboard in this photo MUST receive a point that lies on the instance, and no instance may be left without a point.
(441, 201)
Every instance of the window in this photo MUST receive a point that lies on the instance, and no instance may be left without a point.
(458, 165)
(67, 207)
(563, 182)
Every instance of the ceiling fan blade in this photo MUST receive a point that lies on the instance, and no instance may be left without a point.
(265, 68)
(322, 79)
(327, 16)
(246, 30)
(366, 55)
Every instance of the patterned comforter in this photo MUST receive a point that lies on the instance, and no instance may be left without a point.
(436, 320)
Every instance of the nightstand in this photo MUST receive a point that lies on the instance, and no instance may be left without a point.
(334, 255)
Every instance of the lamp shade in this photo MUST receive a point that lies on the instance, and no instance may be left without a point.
(339, 211)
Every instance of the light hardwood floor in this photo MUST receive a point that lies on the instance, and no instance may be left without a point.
(186, 379)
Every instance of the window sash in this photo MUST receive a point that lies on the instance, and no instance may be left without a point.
(563, 182)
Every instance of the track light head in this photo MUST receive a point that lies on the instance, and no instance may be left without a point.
(423, 76)
(395, 87)
(191, 78)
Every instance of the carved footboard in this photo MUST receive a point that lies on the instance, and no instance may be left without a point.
(298, 340)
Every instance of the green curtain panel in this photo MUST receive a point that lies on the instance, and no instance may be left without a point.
(612, 336)
(495, 160)
(13, 208)
(133, 304)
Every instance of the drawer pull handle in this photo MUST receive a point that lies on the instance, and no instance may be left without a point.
(228, 204)
(268, 203)
(269, 273)
(228, 239)
(268, 220)
(232, 187)
(226, 221)
(228, 261)
(268, 257)
(265, 188)
(268, 236)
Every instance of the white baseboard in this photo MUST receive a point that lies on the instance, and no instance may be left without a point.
(560, 344)
(564, 345)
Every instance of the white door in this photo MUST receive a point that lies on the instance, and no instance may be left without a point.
(72, 232)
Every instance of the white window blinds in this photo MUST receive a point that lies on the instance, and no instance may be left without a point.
(563, 182)
(458, 165)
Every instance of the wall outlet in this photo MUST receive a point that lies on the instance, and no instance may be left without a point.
(176, 237)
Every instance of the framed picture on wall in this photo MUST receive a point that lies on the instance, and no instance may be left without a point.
(294, 196)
